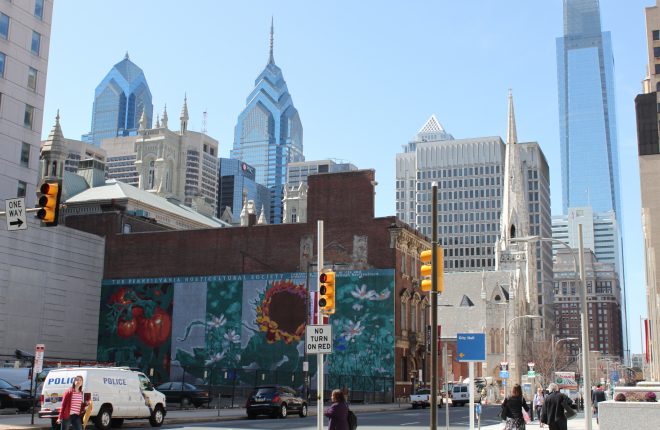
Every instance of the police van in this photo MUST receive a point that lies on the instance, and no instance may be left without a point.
(117, 393)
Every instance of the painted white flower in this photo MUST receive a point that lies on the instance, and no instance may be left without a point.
(215, 358)
(352, 329)
(382, 296)
(231, 336)
(358, 307)
(217, 321)
(362, 293)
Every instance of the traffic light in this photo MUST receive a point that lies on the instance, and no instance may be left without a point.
(49, 200)
(426, 271)
(327, 292)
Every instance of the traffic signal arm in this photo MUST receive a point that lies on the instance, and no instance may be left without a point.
(49, 202)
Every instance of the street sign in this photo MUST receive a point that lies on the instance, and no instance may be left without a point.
(614, 376)
(39, 357)
(504, 374)
(477, 408)
(15, 214)
(471, 347)
(318, 339)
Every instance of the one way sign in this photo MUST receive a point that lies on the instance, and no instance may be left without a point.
(15, 214)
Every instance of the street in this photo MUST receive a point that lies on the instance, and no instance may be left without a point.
(394, 419)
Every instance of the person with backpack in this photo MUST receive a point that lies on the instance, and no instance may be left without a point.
(337, 412)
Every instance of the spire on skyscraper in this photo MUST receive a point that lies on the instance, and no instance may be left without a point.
(511, 135)
(271, 59)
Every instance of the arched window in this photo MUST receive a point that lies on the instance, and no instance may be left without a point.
(404, 312)
(657, 86)
(413, 316)
(54, 170)
(513, 231)
(152, 175)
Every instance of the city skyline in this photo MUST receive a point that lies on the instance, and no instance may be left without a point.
(363, 79)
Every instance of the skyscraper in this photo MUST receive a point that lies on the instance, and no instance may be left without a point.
(587, 120)
(24, 45)
(119, 101)
(269, 134)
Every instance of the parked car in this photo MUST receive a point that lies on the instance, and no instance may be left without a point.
(460, 395)
(423, 398)
(12, 397)
(276, 401)
(185, 394)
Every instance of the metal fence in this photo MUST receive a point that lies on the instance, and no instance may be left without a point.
(230, 387)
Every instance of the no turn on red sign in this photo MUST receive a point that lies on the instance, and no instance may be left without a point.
(318, 339)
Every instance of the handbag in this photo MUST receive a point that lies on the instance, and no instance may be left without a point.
(526, 416)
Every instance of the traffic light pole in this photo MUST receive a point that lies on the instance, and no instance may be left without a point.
(319, 320)
(434, 313)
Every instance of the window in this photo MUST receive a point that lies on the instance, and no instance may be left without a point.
(3, 58)
(657, 69)
(29, 116)
(36, 43)
(25, 154)
(22, 189)
(4, 26)
(39, 9)
(656, 34)
(656, 52)
(32, 79)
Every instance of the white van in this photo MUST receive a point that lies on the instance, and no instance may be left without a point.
(117, 393)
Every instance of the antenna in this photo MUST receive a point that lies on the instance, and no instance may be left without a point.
(204, 119)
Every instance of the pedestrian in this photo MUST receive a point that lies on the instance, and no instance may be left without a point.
(512, 409)
(338, 411)
(597, 396)
(650, 397)
(539, 397)
(73, 406)
(555, 407)
(620, 397)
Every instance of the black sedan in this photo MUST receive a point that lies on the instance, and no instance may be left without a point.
(12, 397)
(276, 401)
(185, 394)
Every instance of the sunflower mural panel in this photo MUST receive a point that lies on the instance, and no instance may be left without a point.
(363, 326)
(135, 323)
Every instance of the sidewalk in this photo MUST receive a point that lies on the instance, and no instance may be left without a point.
(576, 423)
(22, 422)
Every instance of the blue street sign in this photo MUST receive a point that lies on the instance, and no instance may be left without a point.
(504, 374)
(477, 408)
(471, 347)
(614, 376)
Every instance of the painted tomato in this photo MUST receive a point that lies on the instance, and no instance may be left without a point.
(126, 328)
(155, 330)
(119, 296)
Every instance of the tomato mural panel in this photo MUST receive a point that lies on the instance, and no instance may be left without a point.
(135, 325)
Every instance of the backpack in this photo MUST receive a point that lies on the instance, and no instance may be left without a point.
(352, 420)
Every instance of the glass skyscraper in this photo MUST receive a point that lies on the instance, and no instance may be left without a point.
(119, 101)
(269, 134)
(587, 121)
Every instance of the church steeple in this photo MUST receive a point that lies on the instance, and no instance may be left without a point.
(271, 59)
(53, 152)
(514, 221)
(164, 121)
(184, 115)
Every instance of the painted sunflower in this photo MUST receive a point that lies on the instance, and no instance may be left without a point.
(283, 312)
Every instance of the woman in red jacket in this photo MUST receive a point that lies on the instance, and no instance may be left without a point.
(73, 406)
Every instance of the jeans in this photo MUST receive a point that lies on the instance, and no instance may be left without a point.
(74, 420)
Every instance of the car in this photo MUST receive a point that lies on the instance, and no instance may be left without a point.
(460, 395)
(117, 393)
(276, 401)
(185, 394)
(12, 397)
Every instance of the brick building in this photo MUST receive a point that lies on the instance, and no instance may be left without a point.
(181, 265)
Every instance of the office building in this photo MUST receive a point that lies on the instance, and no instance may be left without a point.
(25, 27)
(119, 101)
(236, 185)
(269, 134)
(648, 115)
(587, 115)
(603, 305)
(299, 171)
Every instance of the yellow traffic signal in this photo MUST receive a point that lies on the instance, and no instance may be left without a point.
(327, 292)
(49, 200)
(426, 271)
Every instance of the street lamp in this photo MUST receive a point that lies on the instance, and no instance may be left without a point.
(554, 354)
(508, 327)
(583, 311)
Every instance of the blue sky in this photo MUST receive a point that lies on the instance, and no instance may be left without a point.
(364, 76)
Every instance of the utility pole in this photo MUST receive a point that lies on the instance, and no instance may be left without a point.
(319, 316)
(584, 317)
(434, 312)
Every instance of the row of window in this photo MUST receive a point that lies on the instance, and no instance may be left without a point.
(31, 74)
(35, 45)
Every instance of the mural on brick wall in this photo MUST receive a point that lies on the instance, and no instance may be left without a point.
(244, 323)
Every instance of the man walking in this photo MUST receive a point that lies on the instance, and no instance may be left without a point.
(554, 405)
(597, 396)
